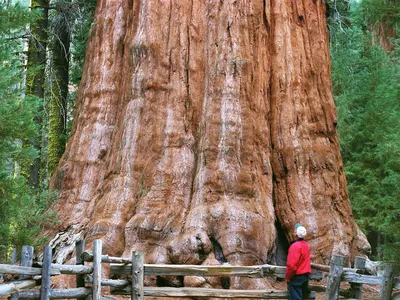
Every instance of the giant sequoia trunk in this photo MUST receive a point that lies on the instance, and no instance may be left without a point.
(202, 127)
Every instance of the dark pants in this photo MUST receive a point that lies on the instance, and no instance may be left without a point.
(298, 287)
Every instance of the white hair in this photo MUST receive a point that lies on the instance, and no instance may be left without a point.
(301, 231)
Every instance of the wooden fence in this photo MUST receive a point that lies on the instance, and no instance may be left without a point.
(89, 280)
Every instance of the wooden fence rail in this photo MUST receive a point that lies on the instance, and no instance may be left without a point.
(196, 270)
(133, 269)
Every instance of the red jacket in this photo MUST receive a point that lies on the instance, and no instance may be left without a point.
(298, 260)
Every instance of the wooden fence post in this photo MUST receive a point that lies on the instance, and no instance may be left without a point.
(46, 268)
(387, 282)
(13, 256)
(137, 292)
(333, 281)
(96, 286)
(356, 288)
(79, 249)
(26, 258)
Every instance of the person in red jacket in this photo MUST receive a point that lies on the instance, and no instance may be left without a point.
(298, 265)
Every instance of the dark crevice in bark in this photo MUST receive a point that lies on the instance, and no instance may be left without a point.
(190, 121)
(130, 4)
(281, 246)
(187, 73)
(265, 19)
(219, 255)
(168, 281)
(133, 18)
(297, 16)
(169, 50)
(273, 190)
(201, 250)
(226, 283)
(272, 109)
(229, 35)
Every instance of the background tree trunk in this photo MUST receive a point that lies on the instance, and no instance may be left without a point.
(199, 127)
(59, 88)
(35, 78)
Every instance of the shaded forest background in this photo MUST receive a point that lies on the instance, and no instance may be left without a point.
(42, 47)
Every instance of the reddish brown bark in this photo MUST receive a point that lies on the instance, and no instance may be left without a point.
(384, 30)
(384, 35)
(200, 126)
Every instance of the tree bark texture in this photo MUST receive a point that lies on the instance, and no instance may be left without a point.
(384, 34)
(200, 126)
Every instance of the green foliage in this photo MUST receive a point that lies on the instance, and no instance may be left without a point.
(20, 209)
(379, 11)
(366, 90)
(22, 121)
(13, 18)
(23, 215)
(75, 17)
(15, 115)
(337, 15)
(83, 22)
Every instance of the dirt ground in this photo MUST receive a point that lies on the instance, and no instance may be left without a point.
(369, 292)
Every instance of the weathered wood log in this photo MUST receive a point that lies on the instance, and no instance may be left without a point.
(96, 285)
(56, 294)
(387, 282)
(14, 286)
(362, 279)
(71, 269)
(88, 256)
(46, 274)
(356, 288)
(372, 267)
(320, 267)
(270, 270)
(13, 256)
(117, 283)
(137, 275)
(316, 274)
(56, 269)
(114, 283)
(204, 292)
(200, 270)
(333, 280)
(68, 269)
(325, 268)
(17, 270)
(26, 258)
